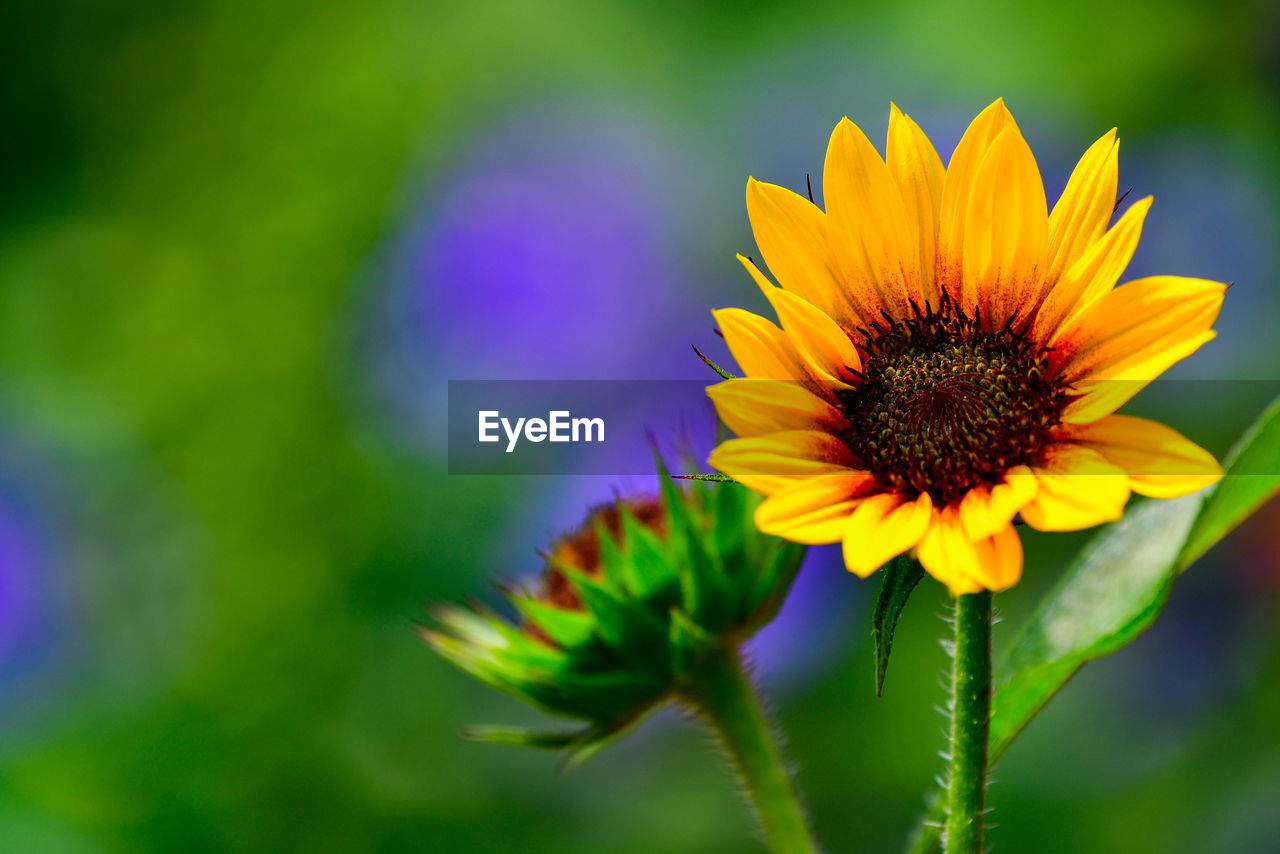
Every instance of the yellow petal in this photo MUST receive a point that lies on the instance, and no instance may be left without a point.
(1006, 230)
(1094, 274)
(956, 189)
(1078, 489)
(884, 526)
(816, 337)
(791, 233)
(965, 566)
(985, 510)
(1130, 336)
(1116, 248)
(758, 346)
(1132, 324)
(814, 510)
(1086, 205)
(874, 242)
(753, 407)
(919, 174)
(757, 275)
(1000, 559)
(1099, 398)
(771, 462)
(1159, 461)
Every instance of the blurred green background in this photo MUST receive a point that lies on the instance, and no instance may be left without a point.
(243, 245)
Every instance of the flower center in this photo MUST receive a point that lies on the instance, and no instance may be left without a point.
(946, 405)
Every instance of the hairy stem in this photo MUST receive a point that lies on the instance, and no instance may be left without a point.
(722, 694)
(970, 724)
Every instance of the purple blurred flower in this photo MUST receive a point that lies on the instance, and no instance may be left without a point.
(547, 266)
(28, 605)
(546, 253)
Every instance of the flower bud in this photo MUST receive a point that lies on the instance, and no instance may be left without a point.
(627, 606)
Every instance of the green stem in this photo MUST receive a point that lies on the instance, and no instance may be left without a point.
(970, 724)
(721, 692)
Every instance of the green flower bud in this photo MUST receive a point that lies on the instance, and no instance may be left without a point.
(626, 609)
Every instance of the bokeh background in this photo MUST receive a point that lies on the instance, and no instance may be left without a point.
(244, 245)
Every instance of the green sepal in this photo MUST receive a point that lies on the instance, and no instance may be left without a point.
(704, 588)
(900, 578)
(626, 625)
(481, 633)
(534, 685)
(673, 505)
(601, 736)
(521, 737)
(471, 625)
(566, 627)
(593, 695)
(712, 365)
(462, 655)
(577, 745)
(728, 530)
(615, 570)
(775, 582)
(649, 557)
(688, 642)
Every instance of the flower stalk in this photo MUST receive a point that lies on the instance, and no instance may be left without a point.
(722, 694)
(970, 724)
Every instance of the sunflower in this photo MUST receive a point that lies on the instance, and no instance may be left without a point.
(951, 354)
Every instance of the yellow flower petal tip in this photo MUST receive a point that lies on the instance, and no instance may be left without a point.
(949, 353)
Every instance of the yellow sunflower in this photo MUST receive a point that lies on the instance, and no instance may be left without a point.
(951, 354)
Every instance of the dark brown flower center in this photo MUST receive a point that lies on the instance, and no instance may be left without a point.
(946, 405)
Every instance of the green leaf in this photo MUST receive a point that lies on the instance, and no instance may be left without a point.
(1250, 481)
(1117, 586)
(1110, 593)
(1120, 582)
(900, 578)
